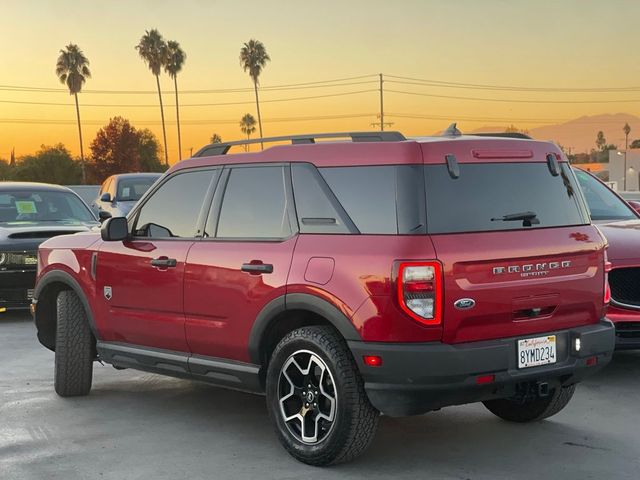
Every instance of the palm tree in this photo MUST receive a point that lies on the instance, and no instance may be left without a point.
(215, 138)
(72, 68)
(175, 59)
(253, 58)
(153, 50)
(248, 126)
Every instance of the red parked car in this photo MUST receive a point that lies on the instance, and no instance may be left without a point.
(619, 221)
(344, 279)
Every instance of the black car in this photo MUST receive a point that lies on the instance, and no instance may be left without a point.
(29, 214)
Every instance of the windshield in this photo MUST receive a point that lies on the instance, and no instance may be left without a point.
(42, 206)
(501, 196)
(132, 189)
(602, 202)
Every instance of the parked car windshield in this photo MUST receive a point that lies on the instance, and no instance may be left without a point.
(42, 206)
(502, 196)
(132, 189)
(602, 202)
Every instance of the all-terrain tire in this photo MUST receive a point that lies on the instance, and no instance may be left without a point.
(533, 410)
(74, 347)
(356, 420)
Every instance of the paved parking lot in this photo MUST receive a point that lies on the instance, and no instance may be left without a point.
(142, 426)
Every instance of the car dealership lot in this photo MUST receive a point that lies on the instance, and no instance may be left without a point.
(135, 425)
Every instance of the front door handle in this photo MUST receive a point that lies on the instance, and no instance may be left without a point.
(164, 262)
(257, 268)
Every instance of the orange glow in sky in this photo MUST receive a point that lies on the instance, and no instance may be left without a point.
(543, 44)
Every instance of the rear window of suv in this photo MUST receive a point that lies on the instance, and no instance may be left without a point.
(495, 196)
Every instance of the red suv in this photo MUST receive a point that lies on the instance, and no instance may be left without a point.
(343, 279)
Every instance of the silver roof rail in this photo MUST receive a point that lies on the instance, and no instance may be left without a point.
(222, 148)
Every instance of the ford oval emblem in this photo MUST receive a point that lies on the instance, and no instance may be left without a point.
(465, 303)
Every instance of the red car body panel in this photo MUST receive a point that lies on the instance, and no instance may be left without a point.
(221, 301)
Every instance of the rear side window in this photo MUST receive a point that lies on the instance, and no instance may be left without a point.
(387, 199)
(173, 210)
(255, 204)
(494, 196)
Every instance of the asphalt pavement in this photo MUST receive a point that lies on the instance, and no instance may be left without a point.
(136, 425)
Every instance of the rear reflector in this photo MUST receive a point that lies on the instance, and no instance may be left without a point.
(372, 360)
(591, 361)
(420, 291)
(484, 379)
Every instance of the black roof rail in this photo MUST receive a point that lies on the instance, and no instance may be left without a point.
(503, 134)
(222, 148)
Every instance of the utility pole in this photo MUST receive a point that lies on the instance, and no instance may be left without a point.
(626, 130)
(382, 123)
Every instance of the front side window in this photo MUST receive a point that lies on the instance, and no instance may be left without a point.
(172, 211)
(255, 204)
(602, 202)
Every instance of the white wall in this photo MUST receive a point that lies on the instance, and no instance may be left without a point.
(616, 169)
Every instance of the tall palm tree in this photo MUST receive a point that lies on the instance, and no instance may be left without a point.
(153, 50)
(215, 138)
(247, 126)
(72, 69)
(175, 59)
(253, 59)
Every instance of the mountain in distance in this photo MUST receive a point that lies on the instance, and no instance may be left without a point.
(579, 134)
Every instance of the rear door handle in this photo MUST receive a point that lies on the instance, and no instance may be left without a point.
(257, 268)
(164, 262)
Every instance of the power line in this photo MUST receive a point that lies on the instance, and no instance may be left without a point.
(290, 86)
(504, 100)
(35, 121)
(480, 86)
(219, 104)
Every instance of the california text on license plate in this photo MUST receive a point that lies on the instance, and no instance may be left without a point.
(536, 351)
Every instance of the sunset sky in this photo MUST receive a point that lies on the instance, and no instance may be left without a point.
(533, 44)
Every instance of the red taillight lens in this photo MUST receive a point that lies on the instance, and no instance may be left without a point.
(608, 266)
(420, 291)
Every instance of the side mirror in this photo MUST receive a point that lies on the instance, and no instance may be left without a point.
(106, 197)
(114, 229)
(103, 214)
(635, 205)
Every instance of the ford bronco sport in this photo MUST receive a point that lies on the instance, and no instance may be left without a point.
(343, 279)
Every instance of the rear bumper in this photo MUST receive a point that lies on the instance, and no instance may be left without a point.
(627, 323)
(416, 378)
(16, 288)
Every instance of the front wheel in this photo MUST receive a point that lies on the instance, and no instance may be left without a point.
(531, 410)
(316, 398)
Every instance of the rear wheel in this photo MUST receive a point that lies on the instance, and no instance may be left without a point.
(316, 398)
(74, 347)
(534, 409)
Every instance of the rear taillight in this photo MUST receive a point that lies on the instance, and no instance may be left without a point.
(607, 289)
(420, 291)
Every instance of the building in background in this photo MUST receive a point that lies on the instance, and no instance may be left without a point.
(617, 170)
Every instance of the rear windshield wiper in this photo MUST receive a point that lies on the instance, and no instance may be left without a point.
(528, 218)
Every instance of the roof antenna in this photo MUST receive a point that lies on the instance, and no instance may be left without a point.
(452, 131)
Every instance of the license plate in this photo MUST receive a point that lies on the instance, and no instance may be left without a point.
(533, 352)
(30, 260)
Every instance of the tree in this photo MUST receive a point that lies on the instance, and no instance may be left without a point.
(174, 62)
(253, 59)
(51, 164)
(513, 129)
(635, 144)
(153, 50)
(627, 130)
(215, 138)
(121, 148)
(601, 141)
(247, 126)
(72, 69)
